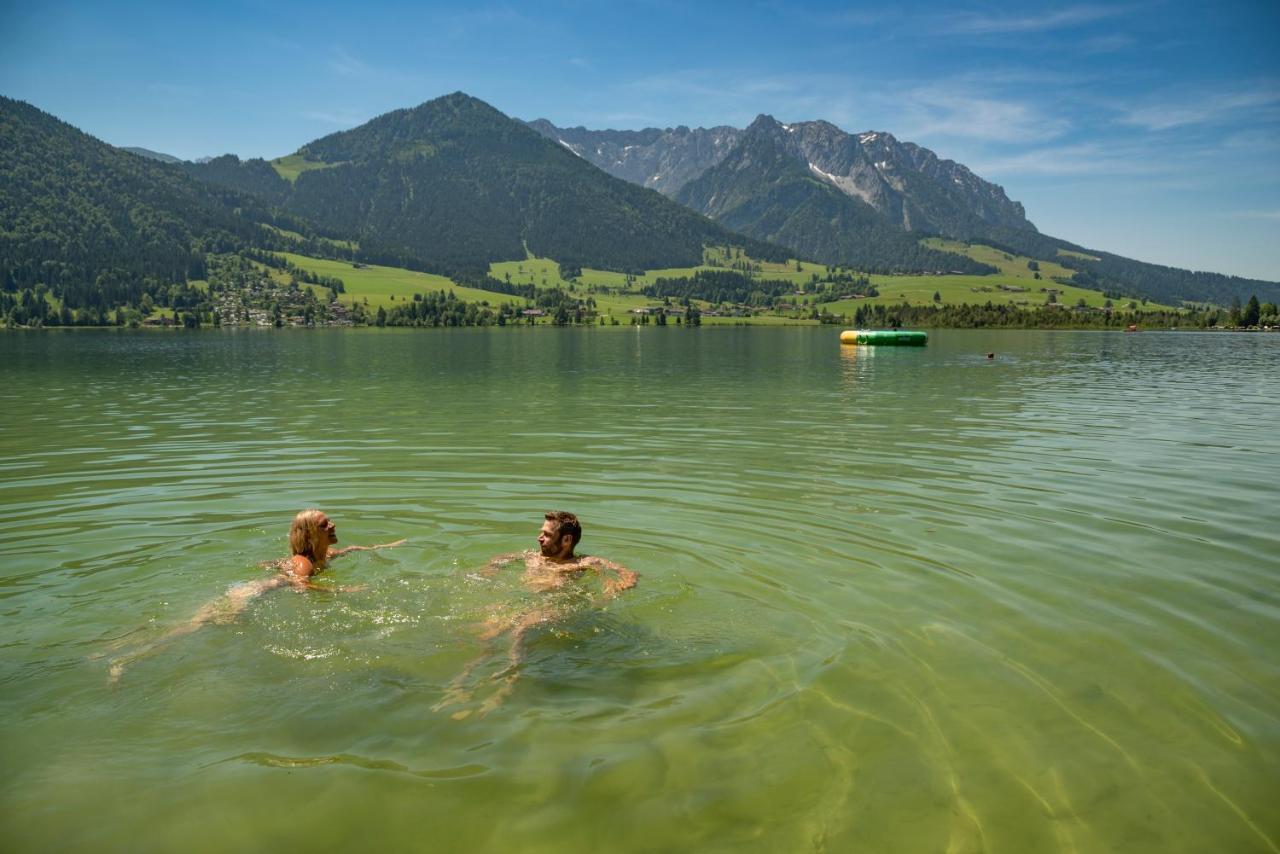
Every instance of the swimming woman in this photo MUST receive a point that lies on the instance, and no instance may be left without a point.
(311, 539)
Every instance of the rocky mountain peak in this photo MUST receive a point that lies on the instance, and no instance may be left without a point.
(905, 183)
(660, 159)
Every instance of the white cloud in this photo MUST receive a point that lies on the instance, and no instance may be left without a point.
(1110, 43)
(343, 119)
(345, 64)
(940, 111)
(1199, 108)
(173, 90)
(833, 18)
(486, 19)
(976, 23)
(1074, 160)
(1269, 215)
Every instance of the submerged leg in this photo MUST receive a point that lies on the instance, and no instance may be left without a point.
(515, 658)
(221, 610)
(116, 669)
(460, 692)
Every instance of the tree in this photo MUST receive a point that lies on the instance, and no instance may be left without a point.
(937, 297)
(1252, 312)
(382, 316)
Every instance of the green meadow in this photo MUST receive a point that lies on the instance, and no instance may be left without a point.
(293, 165)
(1067, 253)
(298, 238)
(385, 286)
(616, 294)
(1015, 284)
(1015, 266)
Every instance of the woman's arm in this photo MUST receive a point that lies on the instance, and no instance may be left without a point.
(340, 552)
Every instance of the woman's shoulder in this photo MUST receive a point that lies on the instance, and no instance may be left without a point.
(299, 566)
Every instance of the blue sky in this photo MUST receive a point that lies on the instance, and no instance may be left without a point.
(1150, 129)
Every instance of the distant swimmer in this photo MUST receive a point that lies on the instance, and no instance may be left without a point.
(311, 539)
(552, 567)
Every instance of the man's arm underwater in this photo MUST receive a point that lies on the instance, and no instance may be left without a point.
(623, 578)
(496, 562)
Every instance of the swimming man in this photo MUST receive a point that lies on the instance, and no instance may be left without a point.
(550, 568)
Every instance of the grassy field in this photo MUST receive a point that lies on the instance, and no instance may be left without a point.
(1014, 284)
(386, 286)
(542, 272)
(290, 167)
(298, 238)
(1003, 287)
(1067, 253)
(1008, 264)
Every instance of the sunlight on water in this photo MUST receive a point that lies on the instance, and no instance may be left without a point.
(890, 599)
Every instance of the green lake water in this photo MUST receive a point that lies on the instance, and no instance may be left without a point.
(890, 599)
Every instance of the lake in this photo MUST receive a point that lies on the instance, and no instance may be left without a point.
(894, 599)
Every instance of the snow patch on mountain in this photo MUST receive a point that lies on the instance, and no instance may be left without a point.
(843, 183)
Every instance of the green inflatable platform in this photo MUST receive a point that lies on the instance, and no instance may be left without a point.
(895, 337)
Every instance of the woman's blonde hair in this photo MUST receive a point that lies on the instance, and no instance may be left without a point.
(304, 536)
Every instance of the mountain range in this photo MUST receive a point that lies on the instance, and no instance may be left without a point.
(908, 185)
(453, 184)
(862, 199)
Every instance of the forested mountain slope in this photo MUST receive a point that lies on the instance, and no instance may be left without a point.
(453, 184)
(97, 224)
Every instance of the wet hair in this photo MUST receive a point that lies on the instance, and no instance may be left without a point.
(565, 523)
(304, 536)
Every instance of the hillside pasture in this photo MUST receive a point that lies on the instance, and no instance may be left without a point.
(1015, 266)
(541, 272)
(1015, 284)
(299, 238)
(1067, 253)
(293, 165)
(387, 286)
(976, 290)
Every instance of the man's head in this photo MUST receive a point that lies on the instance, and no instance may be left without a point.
(560, 533)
